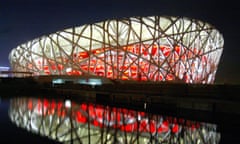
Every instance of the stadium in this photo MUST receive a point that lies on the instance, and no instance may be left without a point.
(154, 48)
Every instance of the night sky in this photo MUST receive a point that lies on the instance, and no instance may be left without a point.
(24, 20)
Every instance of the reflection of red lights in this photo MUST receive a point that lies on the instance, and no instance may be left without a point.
(175, 128)
(118, 118)
(30, 105)
(80, 117)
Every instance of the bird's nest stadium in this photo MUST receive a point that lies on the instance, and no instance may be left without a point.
(154, 48)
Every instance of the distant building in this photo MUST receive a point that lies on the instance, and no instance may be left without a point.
(154, 48)
(3, 70)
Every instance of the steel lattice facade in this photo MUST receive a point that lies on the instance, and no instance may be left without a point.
(71, 122)
(150, 48)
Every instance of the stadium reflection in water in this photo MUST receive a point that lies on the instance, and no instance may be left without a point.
(67, 121)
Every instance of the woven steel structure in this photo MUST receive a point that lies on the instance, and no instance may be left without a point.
(150, 48)
(80, 123)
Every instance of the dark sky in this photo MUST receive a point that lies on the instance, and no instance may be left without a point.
(24, 20)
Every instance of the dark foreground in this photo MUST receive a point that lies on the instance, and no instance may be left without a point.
(219, 104)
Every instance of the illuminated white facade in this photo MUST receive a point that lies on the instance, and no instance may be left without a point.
(151, 48)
